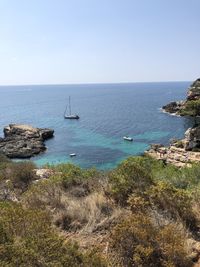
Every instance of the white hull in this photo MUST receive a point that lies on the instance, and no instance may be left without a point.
(71, 117)
(128, 138)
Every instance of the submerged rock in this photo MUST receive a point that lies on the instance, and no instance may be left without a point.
(24, 141)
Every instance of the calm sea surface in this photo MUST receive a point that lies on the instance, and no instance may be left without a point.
(107, 113)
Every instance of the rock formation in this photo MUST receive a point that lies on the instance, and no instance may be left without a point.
(185, 151)
(192, 138)
(190, 106)
(23, 141)
(194, 91)
(180, 152)
(173, 107)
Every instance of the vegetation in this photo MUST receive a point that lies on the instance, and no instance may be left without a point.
(179, 144)
(143, 213)
(141, 243)
(28, 239)
(130, 176)
(191, 108)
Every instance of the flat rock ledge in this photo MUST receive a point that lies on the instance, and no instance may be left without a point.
(180, 152)
(24, 141)
(173, 155)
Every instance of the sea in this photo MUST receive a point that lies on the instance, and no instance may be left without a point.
(107, 113)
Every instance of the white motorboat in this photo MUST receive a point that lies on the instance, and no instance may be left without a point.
(128, 138)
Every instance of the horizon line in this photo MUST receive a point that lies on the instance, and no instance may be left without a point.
(90, 83)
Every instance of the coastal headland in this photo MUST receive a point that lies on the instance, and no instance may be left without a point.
(188, 107)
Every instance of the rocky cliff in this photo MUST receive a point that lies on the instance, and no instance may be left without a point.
(190, 106)
(182, 152)
(194, 91)
(23, 141)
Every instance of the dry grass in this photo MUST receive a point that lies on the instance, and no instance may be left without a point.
(94, 212)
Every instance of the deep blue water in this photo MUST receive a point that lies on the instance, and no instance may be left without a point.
(107, 113)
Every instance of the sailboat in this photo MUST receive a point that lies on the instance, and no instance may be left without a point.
(70, 115)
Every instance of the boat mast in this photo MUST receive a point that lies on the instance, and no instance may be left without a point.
(69, 106)
(65, 111)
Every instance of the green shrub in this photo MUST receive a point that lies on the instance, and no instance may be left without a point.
(127, 178)
(28, 239)
(4, 159)
(183, 178)
(44, 194)
(191, 108)
(22, 174)
(76, 199)
(173, 202)
(72, 175)
(179, 144)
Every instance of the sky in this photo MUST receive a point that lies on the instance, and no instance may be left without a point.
(98, 41)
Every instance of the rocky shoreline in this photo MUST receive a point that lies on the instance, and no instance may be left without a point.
(173, 155)
(24, 141)
(180, 152)
(187, 150)
(174, 107)
(190, 106)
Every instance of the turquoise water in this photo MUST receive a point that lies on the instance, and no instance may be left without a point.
(107, 113)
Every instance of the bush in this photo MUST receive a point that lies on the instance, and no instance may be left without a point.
(183, 178)
(72, 175)
(129, 177)
(158, 199)
(140, 243)
(44, 194)
(4, 159)
(174, 203)
(27, 239)
(179, 144)
(191, 108)
(22, 174)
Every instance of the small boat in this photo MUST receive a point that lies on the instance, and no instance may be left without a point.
(127, 138)
(72, 154)
(70, 115)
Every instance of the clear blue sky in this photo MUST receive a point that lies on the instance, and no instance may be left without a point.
(91, 41)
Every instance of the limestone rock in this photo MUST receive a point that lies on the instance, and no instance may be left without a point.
(156, 147)
(192, 138)
(173, 107)
(194, 91)
(45, 173)
(182, 152)
(179, 155)
(6, 193)
(23, 141)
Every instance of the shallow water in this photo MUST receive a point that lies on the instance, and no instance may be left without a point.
(107, 113)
